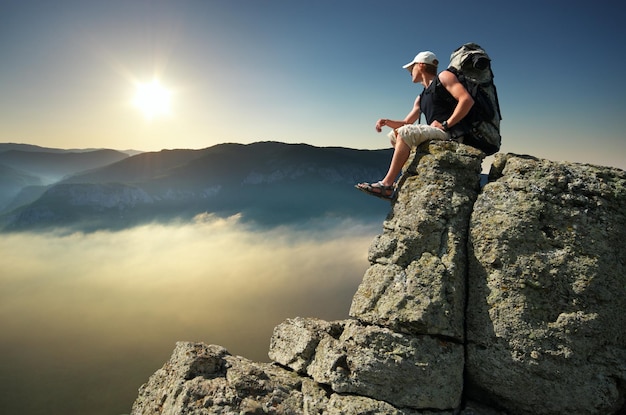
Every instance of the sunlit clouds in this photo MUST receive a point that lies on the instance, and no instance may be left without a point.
(103, 310)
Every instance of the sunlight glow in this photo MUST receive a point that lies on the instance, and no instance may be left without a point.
(152, 99)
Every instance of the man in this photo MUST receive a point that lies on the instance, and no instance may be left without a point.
(442, 115)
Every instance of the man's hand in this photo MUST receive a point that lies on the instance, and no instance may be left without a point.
(380, 124)
(437, 124)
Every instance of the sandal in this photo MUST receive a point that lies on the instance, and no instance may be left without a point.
(377, 189)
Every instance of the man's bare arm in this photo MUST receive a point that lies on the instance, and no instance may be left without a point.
(458, 91)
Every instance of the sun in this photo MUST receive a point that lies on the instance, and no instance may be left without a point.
(153, 99)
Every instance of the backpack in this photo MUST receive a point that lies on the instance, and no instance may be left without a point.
(481, 126)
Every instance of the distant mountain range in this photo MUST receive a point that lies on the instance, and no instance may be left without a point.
(268, 183)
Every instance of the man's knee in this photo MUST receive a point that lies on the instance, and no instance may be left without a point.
(410, 135)
(402, 144)
(414, 135)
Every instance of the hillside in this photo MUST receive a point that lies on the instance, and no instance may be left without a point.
(269, 183)
(54, 166)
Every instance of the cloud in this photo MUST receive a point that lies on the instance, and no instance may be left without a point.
(114, 303)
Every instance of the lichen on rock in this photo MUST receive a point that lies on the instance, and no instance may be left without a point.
(546, 314)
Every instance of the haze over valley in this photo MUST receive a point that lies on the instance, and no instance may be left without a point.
(268, 183)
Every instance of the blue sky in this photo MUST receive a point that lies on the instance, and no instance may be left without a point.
(317, 72)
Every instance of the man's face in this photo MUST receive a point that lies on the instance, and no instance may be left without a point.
(414, 70)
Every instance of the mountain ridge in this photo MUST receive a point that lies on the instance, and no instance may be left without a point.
(53, 166)
(268, 182)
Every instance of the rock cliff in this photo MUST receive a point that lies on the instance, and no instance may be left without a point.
(503, 300)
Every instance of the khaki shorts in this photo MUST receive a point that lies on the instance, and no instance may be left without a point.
(415, 134)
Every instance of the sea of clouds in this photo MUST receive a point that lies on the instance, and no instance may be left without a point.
(87, 317)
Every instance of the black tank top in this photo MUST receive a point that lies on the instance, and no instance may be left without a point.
(436, 103)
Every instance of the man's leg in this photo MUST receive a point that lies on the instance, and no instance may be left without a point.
(407, 137)
(401, 154)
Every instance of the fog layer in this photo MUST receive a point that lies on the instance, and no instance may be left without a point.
(86, 318)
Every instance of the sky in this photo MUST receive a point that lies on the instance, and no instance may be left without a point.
(316, 72)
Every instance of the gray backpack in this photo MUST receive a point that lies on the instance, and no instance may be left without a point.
(481, 127)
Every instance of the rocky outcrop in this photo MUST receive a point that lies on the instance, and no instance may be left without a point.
(369, 360)
(503, 300)
(416, 283)
(547, 283)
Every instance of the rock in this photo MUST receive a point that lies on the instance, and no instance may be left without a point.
(417, 281)
(537, 252)
(407, 371)
(369, 361)
(359, 405)
(546, 315)
(293, 342)
(206, 379)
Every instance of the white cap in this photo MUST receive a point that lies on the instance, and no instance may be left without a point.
(423, 57)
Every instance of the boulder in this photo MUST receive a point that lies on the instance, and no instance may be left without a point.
(294, 342)
(407, 371)
(202, 379)
(546, 316)
(206, 379)
(416, 283)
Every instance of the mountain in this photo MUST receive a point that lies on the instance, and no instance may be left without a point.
(12, 181)
(26, 170)
(54, 166)
(30, 147)
(38, 149)
(268, 183)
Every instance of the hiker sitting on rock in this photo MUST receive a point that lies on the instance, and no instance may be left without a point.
(442, 115)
